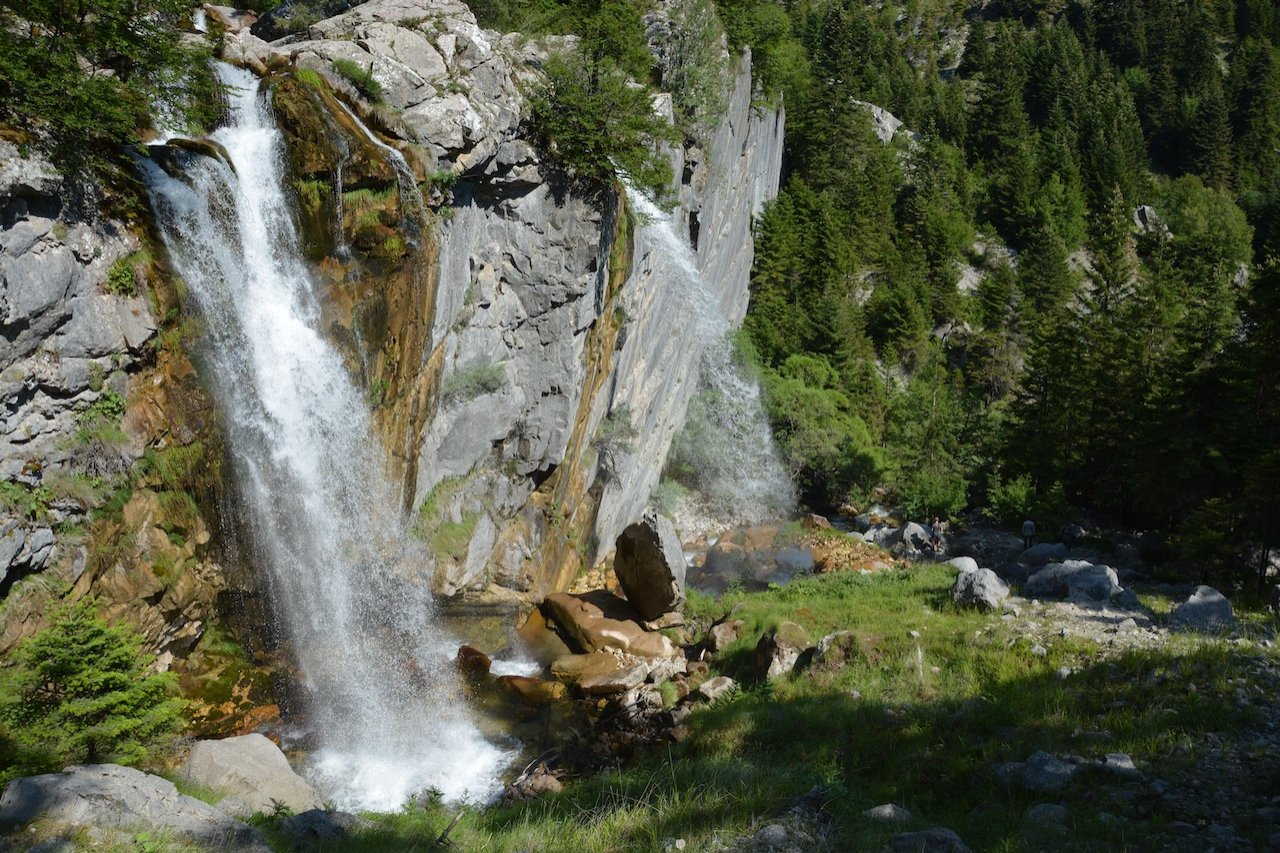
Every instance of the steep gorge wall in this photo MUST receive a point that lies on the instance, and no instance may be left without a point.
(549, 322)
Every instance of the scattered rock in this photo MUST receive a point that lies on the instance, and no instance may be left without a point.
(600, 673)
(649, 563)
(724, 634)
(1206, 610)
(534, 691)
(1046, 814)
(316, 827)
(1042, 773)
(813, 521)
(717, 687)
(778, 651)
(250, 769)
(108, 796)
(964, 564)
(981, 588)
(936, 840)
(1039, 651)
(888, 813)
(837, 650)
(600, 620)
(472, 662)
(1120, 764)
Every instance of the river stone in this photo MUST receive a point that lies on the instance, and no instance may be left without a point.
(599, 673)
(253, 770)
(1206, 610)
(981, 588)
(649, 563)
(534, 691)
(108, 796)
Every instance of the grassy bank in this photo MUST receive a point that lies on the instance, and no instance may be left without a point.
(922, 721)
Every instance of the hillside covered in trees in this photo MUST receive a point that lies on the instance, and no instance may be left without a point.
(1053, 290)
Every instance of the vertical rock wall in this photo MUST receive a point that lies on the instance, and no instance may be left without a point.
(548, 326)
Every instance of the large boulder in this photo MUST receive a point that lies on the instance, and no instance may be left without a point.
(981, 588)
(1042, 553)
(939, 839)
(601, 673)
(963, 564)
(1206, 610)
(1074, 579)
(252, 771)
(108, 796)
(649, 563)
(600, 620)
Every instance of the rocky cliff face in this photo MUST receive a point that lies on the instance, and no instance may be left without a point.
(553, 357)
(108, 446)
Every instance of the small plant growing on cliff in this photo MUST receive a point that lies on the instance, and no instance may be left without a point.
(122, 277)
(471, 382)
(615, 438)
(80, 691)
(360, 77)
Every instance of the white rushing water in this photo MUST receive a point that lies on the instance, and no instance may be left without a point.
(726, 438)
(377, 672)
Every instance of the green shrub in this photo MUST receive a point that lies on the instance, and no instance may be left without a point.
(592, 122)
(1011, 501)
(25, 501)
(361, 78)
(615, 437)
(122, 278)
(79, 691)
(101, 421)
(471, 382)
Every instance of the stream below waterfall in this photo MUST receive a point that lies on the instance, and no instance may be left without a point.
(376, 667)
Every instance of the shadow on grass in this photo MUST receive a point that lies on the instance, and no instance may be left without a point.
(750, 758)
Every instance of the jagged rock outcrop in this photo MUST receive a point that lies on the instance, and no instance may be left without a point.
(544, 325)
(90, 379)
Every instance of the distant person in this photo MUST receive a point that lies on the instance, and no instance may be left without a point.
(936, 529)
(1028, 533)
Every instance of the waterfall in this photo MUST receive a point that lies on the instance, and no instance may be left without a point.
(349, 586)
(726, 446)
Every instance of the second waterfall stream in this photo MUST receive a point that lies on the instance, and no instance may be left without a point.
(376, 669)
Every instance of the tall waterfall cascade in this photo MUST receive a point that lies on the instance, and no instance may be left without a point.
(727, 440)
(376, 669)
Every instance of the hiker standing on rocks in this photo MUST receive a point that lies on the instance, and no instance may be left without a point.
(1028, 533)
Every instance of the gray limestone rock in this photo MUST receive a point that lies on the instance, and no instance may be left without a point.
(107, 796)
(252, 769)
(650, 566)
(963, 564)
(981, 588)
(1206, 610)
(1073, 579)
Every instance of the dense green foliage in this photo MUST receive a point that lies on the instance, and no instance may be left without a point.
(80, 691)
(589, 118)
(1096, 362)
(84, 75)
